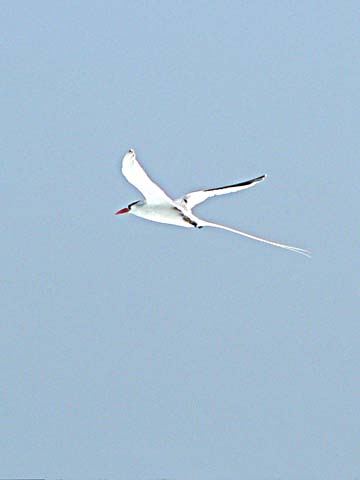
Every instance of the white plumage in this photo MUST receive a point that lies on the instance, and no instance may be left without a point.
(159, 207)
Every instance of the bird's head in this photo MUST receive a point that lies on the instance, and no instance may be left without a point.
(127, 209)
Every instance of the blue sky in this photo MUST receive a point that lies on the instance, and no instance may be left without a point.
(142, 351)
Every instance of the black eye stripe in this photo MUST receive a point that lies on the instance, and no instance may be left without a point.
(131, 204)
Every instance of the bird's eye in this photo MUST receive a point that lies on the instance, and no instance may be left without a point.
(131, 204)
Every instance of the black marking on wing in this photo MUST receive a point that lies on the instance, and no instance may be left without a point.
(186, 218)
(241, 184)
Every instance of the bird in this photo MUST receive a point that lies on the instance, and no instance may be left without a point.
(157, 206)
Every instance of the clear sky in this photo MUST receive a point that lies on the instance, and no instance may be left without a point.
(138, 351)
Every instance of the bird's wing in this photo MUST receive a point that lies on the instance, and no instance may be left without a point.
(194, 198)
(203, 223)
(136, 175)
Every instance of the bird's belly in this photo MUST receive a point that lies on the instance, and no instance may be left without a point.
(163, 214)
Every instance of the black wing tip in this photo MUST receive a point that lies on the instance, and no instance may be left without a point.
(240, 184)
(259, 179)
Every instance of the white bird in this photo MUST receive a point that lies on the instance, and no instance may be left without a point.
(159, 207)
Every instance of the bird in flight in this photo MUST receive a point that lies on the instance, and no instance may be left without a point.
(157, 206)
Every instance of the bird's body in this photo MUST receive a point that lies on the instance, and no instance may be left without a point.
(159, 207)
(164, 212)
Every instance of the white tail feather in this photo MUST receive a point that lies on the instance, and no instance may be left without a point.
(239, 232)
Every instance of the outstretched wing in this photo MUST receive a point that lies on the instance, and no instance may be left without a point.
(136, 175)
(194, 198)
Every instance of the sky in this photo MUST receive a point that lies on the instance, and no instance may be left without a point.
(139, 351)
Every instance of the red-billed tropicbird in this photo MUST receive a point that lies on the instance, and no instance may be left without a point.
(159, 207)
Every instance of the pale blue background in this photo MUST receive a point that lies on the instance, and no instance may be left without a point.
(137, 351)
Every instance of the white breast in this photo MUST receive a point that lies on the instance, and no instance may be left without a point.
(161, 213)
